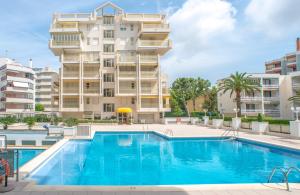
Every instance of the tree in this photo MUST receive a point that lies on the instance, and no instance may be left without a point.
(238, 83)
(200, 88)
(30, 121)
(176, 108)
(8, 120)
(39, 107)
(185, 89)
(210, 102)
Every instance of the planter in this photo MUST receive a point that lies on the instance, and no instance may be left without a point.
(194, 121)
(236, 123)
(205, 120)
(259, 127)
(295, 128)
(69, 131)
(217, 123)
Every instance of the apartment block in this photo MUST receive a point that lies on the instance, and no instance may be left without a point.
(111, 60)
(270, 100)
(17, 88)
(286, 64)
(46, 89)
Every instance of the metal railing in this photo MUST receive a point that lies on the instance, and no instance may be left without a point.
(153, 43)
(285, 173)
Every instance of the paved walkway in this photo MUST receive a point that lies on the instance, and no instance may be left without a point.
(177, 131)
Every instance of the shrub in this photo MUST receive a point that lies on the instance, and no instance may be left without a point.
(8, 120)
(39, 107)
(55, 120)
(41, 118)
(260, 118)
(30, 121)
(70, 122)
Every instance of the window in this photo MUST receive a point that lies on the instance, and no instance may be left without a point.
(250, 106)
(131, 40)
(108, 108)
(108, 77)
(95, 41)
(87, 100)
(122, 27)
(109, 93)
(108, 62)
(131, 27)
(108, 48)
(132, 101)
(108, 34)
(267, 94)
(108, 20)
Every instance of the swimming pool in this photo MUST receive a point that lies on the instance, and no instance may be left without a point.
(149, 159)
(26, 155)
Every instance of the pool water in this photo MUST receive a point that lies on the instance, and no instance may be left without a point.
(149, 159)
(26, 155)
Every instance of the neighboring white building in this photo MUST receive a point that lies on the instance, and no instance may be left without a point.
(46, 89)
(270, 100)
(17, 88)
(111, 60)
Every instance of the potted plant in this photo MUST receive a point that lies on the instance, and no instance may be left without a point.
(259, 126)
(218, 122)
(8, 120)
(70, 126)
(30, 121)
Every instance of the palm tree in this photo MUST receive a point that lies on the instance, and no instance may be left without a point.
(238, 83)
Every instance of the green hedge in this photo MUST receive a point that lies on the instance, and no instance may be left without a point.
(193, 114)
(97, 121)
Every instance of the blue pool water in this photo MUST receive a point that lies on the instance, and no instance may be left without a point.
(26, 155)
(149, 159)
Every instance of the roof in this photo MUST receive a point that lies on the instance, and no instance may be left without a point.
(109, 4)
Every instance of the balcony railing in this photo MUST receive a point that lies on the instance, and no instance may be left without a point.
(154, 43)
(73, 17)
(127, 74)
(256, 111)
(70, 90)
(91, 74)
(148, 58)
(127, 58)
(71, 74)
(127, 90)
(149, 105)
(73, 27)
(143, 17)
(165, 91)
(71, 58)
(149, 74)
(259, 98)
(149, 90)
(91, 58)
(155, 28)
(56, 43)
(296, 84)
(91, 90)
(70, 105)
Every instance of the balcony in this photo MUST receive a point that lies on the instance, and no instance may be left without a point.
(273, 69)
(71, 74)
(91, 74)
(296, 84)
(165, 91)
(149, 74)
(70, 90)
(149, 91)
(65, 27)
(74, 17)
(161, 45)
(126, 59)
(143, 17)
(151, 59)
(271, 86)
(258, 98)
(19, 100)
(91, 58)
(65, 44)
(124, 91)
(71, 58)
(270, 112)
(155, 28)
(91, 90)
(127, 74)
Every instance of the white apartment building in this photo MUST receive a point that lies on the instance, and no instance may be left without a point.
(110, 60)
(46, 89)
(270, 100)
(17, 88)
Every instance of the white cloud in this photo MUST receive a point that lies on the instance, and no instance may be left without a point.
(200, 31)
(274, 17)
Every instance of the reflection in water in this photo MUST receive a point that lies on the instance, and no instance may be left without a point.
(148, 159)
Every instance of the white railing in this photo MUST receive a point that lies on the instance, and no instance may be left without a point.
(71, 74)
(259, 98)
(149, 73)
(74, 16)
(91, 73)
(148, 58)
(127, 74)
(70, 105)
(143, 16)
(91, 90)
(126, 91)
(70, 90)
(149, 105)
(155, 27)
(126, 58)
(296, 84)
(65, 43)
(149, 90)
(153, 43)
(71, 58)
(91, 57)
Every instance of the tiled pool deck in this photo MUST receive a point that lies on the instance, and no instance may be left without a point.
(177, 131)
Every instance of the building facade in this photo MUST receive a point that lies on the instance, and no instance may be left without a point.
(46, 89)
(111, 60)
(270, 100)
(17, 88)
(286, 64)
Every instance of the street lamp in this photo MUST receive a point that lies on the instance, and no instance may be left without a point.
(236, 110)
(296, 110)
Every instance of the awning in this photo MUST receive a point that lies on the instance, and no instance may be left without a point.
(124, 110)
(20, 84)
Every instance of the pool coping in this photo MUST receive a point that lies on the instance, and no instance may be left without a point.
(32, 166)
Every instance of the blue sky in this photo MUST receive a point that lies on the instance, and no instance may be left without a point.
(211, 38)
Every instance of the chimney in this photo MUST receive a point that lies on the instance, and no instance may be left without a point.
(30, 63)
(298, 44)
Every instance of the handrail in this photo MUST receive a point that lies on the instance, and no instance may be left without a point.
(169, 132)
(285, 172)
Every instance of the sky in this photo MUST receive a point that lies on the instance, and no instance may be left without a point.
(211, 38)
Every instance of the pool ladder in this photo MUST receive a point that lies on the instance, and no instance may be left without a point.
(169, 132)
(227, 131)
(285, 172)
